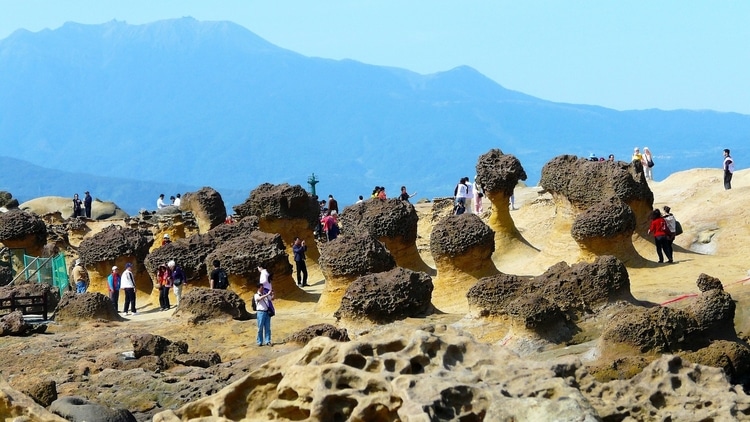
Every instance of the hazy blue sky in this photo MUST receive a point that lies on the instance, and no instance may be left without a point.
(619, 54)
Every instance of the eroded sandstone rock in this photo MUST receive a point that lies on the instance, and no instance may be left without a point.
(18, 406)
(606, 228)
(25, 230)
(499, 173)
(86, 306)
(207, 206)
(204, 305)
(304, 335)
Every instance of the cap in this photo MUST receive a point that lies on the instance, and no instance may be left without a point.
(171, 264)
(592, 155)
(166, 235)
(114, 268)
(128, 265)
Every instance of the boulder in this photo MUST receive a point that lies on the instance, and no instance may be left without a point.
(62, 206)
(498, 174)
(393, 222)
(714, 312)
(659, 329)
(205, 305)
(534, 311)
(86, 306)
(491, 295)
(605, 228)
(705, 283)
(17, 406)
(200, 360)
(13, 324)
(207, 206)
(7, 201)
(388, 296)
(23, 230)
(155, 345)
(304, 335)
(43, 392)
(733, 357)
(346, 258)
(78, 409)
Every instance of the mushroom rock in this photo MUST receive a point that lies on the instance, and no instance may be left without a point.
(83, 307)
(577, 184)
(23, 230)
(462, 247)
(116, 245)
(284, 209)
(345, 259)
(7, 202)
(391, 221)
(498, 174)
(207, 207)
(387, 296)
(100, 210)
(606, 228)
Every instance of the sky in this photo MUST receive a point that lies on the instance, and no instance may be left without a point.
(625, 55)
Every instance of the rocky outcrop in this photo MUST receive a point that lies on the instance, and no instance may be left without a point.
(78, 409)
(7, 201)
(13, 324)
(733, 357)
(499, 173)
(345, 259)
(155, 345)
(388, 296)
(116, 245)
(441, 373)
(44, 392)
(204, 305)
(15, 405)
(577, 185)
(284, 209)
(207, 207)
(24, 230)
(304, 335)
(462, 247)
(84, 307)
(393, 222)
(100, 210)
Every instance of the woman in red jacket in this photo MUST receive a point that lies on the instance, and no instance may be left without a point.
(661, 235)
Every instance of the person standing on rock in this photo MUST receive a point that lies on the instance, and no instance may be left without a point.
(661, 234)
(128, 284)
(87, 204)
(299, 248)
(333, 204)
(178, 279)
(81, 277)
(728, 170)
(113, 285)
(164, 278)
(177, 201)
(460, 193)
(405, 195)
(648, 164)
(77, 203)
(160, 202)
(263, 304)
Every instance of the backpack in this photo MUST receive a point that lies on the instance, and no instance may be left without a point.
(179, 276)
(223, 281)
(677, 228)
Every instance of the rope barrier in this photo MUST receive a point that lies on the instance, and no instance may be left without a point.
(685, 296)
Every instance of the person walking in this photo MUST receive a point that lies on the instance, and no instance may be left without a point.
(87, 204)
(299, 248)
(648, 164)
(218, 278)
(459, 193)
(178, 279)
(164, 278)
(263, 305)
(128, 284)
(77, 203)
(671, 225)
(113, 286)
(661, 233)
(728, 169)
(81, 277)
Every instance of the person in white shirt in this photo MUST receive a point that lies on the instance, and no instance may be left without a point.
(262, 304)
(177, 201)
(160, 202)
(127, 283)
(728, 170)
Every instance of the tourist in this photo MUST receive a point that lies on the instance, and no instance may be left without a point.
(263, 304)
(77, 206)
(166, 240)
(405, 195)
(611, 158)
(360, 200)
(178, 280)
(478, 195)
(593, 157)
(460, 193)
(671, 225)
(331, 225)
(333, 204)
(128, 284)
(113, 286)
(728, 170)
(177, 201)
(661, 234)
(218, 278)
(375, 192)
(265, 278)
(171, 200)
(87, 204)
(648, 163)
(81, 277)
(381, 194)
(299, 248)
(160, 202)
(164, 278)
(637, 156)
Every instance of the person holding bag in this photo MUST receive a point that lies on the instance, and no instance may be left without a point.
(264, 308)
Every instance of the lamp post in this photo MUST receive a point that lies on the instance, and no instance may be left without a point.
(312, 181)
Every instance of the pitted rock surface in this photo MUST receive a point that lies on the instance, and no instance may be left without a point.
(6, 275)
(355, 255)
(238, 229)
(456, 235)
(32, 289)
(43, 392)
(605, 219)
(391, 218)
(20, 407)
(204, 305)
(7, 201)
(189, 254)
(304, 335)
(387, 296)
(207, 206)
(499, 172)
(19, 225)
(114, 242)
(535, 311)
(585, 183)
(13, 324)
(280, 202)
(86, 306)
(731, 356)
(714, 312)
(155, 345)
(705, 283)
(577, 289)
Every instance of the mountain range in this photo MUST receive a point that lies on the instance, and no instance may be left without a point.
(131, 111)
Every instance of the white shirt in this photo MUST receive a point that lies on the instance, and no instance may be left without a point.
(160, 203)
(177, 202)
(264, 276)
(128, 280)
(261, 304)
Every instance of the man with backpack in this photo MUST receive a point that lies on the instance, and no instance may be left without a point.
(218, 279)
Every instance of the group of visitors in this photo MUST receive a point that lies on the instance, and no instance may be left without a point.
(466, 194)
(170, 276)
(175, 201)
(664, 229)
(646, 159)
(82, 208)
(126, 282)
